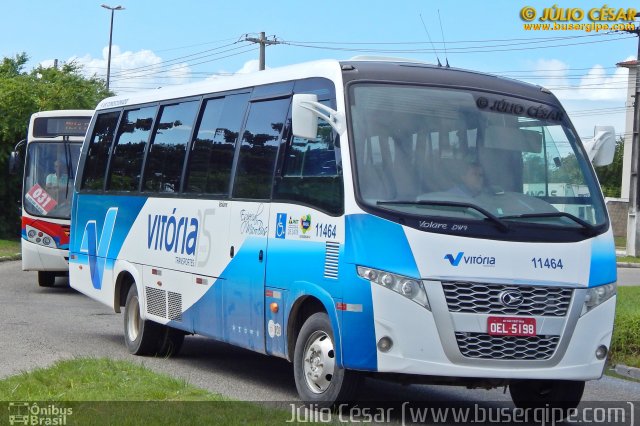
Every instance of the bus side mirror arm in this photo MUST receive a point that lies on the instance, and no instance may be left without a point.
(305, 112)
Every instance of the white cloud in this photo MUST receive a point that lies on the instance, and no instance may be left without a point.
(250, 66)
(596, 84)
(131, 71)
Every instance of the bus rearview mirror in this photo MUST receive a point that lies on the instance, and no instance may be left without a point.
(14, 163)
(602, 147)
(305, 113)
(304, 119)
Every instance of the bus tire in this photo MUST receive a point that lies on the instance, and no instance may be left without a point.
(318, 379)
(46, 278)
(562, 394)
(142, 337)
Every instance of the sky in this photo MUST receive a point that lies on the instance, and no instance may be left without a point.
(160, 43)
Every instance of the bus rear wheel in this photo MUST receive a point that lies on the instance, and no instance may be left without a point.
(144, 337)
(318, 378)
(46, 278)
(561, 394)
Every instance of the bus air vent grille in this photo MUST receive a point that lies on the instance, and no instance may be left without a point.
(156, 302)
(331, 259)
(488, 299)
(484, 346)
(175, 306)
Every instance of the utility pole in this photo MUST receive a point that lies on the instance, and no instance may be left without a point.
(263, 42)
(633, 239)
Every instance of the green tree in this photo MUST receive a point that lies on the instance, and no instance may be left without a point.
(21, 94)
(610, 176)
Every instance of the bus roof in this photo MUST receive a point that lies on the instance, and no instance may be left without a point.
(331, 69)
(63, 113)
(325, 68)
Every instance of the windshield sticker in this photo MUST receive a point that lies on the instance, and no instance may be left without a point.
(541, 112)
(42, 201)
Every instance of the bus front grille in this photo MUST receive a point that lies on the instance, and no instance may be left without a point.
(483, 298)
(484, 346)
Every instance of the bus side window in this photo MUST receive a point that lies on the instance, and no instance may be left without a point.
(211, 156)
(259, 147)
(128, 151)
(95, 165)
(168, 148)
(312, 172)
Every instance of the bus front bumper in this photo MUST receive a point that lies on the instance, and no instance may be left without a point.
(431, 342)
(40, 258)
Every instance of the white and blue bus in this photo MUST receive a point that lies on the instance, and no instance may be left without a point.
(358, 218)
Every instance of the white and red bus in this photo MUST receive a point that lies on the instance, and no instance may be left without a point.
(52, 149)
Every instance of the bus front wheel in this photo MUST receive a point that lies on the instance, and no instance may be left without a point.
(318, 378)
(144, 337)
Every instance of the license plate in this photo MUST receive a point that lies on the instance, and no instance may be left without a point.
(511, 326)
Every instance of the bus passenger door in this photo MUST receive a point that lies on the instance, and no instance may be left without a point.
(244, 278)
(243, 284)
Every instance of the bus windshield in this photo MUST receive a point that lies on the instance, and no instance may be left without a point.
(49, 174)
(470, 155)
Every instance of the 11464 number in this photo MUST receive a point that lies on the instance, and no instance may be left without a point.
(547, 263)
(326, 230)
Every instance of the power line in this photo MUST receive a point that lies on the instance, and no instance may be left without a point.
(174, 61)
(534, 39)
(474, 49)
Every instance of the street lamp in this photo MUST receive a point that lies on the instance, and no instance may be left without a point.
(112, 9)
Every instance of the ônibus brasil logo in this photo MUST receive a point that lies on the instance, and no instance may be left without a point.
(470, 260)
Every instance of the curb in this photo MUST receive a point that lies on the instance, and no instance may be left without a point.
(626, 371)
(628, 265)
(16, 256)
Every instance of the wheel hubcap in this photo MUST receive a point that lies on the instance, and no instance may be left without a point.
(133, 319)
(319, 362)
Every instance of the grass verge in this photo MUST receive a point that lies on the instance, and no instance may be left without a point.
(625, 345)
(104, 391)
(628, 259)
(9, 248)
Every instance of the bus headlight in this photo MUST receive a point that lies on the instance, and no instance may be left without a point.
(597, 295)
(408, 287)
(38, 237)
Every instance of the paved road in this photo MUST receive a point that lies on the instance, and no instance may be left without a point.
(45, 325)
(629, 276)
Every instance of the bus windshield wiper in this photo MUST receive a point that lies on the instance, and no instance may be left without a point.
(585, 225)
(490, 216)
